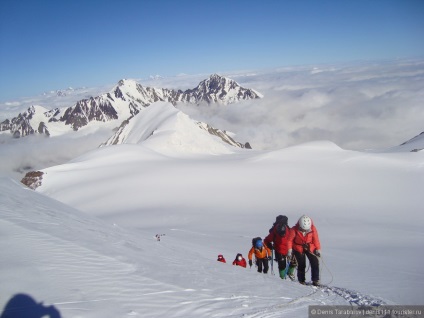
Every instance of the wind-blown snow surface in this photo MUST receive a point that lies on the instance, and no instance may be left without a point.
(105, 261)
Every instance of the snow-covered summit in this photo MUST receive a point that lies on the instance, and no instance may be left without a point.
(219, 89)
(166, 129)
(137, 95)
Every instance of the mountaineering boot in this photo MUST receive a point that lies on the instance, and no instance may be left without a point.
(303, 283)
(316, 283)
(290, 273)
(282, 274)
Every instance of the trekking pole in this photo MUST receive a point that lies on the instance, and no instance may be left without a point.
(287, 268)
(272, 262)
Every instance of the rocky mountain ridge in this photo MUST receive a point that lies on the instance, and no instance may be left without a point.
(123, 102)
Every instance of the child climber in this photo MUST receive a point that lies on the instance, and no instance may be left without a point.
(262, 255)
(239, 260)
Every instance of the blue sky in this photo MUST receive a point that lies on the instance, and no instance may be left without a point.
(50, 44)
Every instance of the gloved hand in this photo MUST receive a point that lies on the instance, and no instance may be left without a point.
(289, 253)
(270, 246)
(317, 253)
(250, 262)
(269, 258)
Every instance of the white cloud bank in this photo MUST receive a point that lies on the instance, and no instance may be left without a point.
(357, 106)
(18, 156)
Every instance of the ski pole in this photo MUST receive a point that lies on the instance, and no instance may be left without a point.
(287, 268)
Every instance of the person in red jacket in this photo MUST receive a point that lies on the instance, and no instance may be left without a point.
(240, 261)
(303, 242)
(278, 239)
(221, 258)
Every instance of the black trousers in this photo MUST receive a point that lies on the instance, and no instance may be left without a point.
(301, 266)
(281, 260)
(262, 264)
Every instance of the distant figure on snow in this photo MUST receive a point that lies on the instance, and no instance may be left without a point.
(240, 260)
(262, 254)
(158, 236)
(221, 258)
(304, 242)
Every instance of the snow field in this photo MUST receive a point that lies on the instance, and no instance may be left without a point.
(361, 203)
(87, 268)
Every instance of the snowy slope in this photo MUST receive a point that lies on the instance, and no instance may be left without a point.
(362, 204)
(84, 267)
(168, 131)
(414, 144)
(103, 260)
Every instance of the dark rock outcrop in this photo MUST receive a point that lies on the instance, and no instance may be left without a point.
(33, 179)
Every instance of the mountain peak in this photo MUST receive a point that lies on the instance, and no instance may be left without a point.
(167, 130)
(215, 80)
(126, 100)
(127, 82)
(216, 76)
(223, 90)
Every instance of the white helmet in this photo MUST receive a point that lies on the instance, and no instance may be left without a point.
(305, 222)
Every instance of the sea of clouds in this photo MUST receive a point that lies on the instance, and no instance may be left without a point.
(359, 106)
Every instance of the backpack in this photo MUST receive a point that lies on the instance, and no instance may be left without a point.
(255, 240)
(280, 225)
